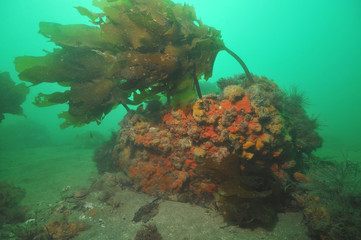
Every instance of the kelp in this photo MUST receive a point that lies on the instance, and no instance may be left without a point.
(136, 51)
(11, 96)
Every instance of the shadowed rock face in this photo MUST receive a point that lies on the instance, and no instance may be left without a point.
(232, 150)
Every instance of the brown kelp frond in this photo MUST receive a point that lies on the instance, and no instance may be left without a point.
(137, 51)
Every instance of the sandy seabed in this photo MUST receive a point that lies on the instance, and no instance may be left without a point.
(47, 173)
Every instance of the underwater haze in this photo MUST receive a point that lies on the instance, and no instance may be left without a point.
(314, 46)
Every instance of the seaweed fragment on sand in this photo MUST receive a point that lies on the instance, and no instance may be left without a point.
(147, 212)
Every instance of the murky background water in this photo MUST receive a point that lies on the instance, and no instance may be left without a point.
(312, 45)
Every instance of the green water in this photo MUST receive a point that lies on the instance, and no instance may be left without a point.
(314, 45)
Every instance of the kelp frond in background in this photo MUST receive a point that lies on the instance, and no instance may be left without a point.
(136, 51)
(11, 96)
